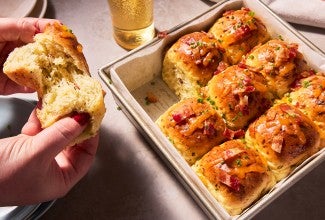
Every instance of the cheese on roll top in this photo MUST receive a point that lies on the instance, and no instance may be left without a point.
(239, 96)
(238, 31)
(235, 174)
(191, 62)
(277, 61)
(285, 137)
(309, 96)
(193, 126)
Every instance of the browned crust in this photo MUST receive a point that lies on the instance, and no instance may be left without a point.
(63, 35)
(239, 95)
(285, 136)
(277, 61)
(235, 174)
(199, 53)
(238, 31)
(193, 126)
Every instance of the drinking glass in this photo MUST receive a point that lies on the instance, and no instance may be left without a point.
(132, 22)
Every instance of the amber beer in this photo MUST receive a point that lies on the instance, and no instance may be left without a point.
(132, 22)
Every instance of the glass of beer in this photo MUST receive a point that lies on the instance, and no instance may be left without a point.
(132, 22)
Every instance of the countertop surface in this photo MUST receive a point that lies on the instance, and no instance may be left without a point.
(128, 180)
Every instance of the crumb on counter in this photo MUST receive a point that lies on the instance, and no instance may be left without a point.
(150, 98)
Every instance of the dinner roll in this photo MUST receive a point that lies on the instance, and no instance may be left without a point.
(309, 97)
(191, 62)
(239, 96)
(56, 68)
(238, 31)
(193, 126)
(276, 61)
(235, 174)
(285, 137)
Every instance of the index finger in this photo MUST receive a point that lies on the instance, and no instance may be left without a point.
(22, 29)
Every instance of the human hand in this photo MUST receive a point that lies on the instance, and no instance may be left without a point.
(36, 166)
(14, 33)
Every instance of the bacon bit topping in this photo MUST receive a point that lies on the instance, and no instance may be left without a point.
(229, 12)
(242, 107)
(292, 52)
(297, 104)
(247, 81)
(150, 98)
(285, 108)
(209, 129)
(230, 134)
(230, 154)
(242, 65)
(207, 59)
(298, 82)
(249, 89)
(244, 86)
(162, 34)
(229, 180)
(180, 118)
(241, 92)
(244, 89)
(243, 31)
(307, 73)
(277, 143)
(197, 62)
(320, 102)
(245, 9)
(290, 112)
(177, 118)
(221, 67)
(188, 112)
(203, 52)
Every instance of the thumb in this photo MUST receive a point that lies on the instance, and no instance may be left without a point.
(55, 138)
(33, 125)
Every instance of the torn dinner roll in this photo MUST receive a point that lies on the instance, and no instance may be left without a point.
(54, 65)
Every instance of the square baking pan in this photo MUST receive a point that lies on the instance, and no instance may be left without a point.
(132, 77)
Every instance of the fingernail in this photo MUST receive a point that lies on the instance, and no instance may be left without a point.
(37, 31)
(81, 118)
(39, 104)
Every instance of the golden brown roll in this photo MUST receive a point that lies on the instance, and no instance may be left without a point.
(239, 96)
(285, 137)
(235, 175)
(191, 62)
(193, 126)
(276, 61)
(238, 32)
(309, 97)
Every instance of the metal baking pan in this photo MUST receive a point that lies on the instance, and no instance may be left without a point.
(131, 77)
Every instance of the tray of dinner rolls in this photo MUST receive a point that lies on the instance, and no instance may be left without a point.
(233, 100)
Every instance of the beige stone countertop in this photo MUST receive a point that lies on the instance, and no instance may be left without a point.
(128, 180)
